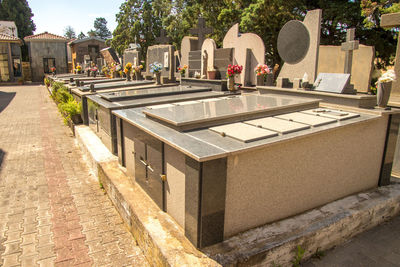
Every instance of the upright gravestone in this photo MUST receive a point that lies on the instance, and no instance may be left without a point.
(162, 53)
(196, 57)
(201, 32)
(298, 46)
(391, 21)
(188, 44)
(110, 56)
(348, 48)
(249, 51)
(132, 54)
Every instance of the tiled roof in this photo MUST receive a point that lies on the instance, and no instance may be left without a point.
(6, 37)
(86, 39)
(45, 36)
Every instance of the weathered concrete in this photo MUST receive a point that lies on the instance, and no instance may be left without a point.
(320, 228)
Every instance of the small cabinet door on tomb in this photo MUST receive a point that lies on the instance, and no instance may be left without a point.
(149, 167)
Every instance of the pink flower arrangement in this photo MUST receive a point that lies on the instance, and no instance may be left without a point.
(233, 69)
(262, 69)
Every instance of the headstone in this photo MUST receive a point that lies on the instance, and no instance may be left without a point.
(391, 21)
(249, 51)
(194, 62)
(100, 63)
(309, 63)
(223, 57)
(163, 54)
(188, 44)
(163, 38)
(201, 31)
(86, 61)
(109, 55)
(348, 48)
(333, 83)
(332, 59)
(209, 46)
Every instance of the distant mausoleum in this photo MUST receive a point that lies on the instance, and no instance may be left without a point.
(89, 47)
(47, 50)
(10, 58)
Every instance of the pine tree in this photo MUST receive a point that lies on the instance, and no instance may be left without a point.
(69, 32)
(100, 27)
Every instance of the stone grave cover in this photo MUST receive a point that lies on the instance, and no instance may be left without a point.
(338, 83)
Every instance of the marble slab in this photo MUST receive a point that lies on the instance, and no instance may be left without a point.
(308, 119)
(195, 114)
(331, 113)
(150, 92)
(278, 125)
(160, 106)
(209, 100)
(105, 86)
(332, 82)
(243, 132)
(186, 103)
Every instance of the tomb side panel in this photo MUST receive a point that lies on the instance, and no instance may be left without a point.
(291, 177)
(175, 184)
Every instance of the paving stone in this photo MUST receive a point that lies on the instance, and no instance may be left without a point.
(52, 210)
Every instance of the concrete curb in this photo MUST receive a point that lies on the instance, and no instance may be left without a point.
(158, 235)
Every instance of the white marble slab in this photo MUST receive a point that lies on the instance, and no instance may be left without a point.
(306, 119)
(278, 125)
(160, 106)
(186, 103)
(243, 132)
(331, 113)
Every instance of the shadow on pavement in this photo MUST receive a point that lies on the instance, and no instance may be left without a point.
(2, 155)
(5, 99)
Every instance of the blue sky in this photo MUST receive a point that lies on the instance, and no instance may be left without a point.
(54, 16)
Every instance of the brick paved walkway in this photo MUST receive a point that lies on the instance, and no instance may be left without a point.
(52, 211)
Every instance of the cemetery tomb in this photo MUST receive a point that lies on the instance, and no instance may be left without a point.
(120, 84)
(100, 106)
(81, 96)
(87, 81)
(267, 156)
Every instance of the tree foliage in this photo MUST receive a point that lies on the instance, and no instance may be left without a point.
(19, 12)
(81, 35)
(143, 19)
(69, 32)
(100, 27)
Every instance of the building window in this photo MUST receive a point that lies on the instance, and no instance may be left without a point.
(17, 67)
(48, 63)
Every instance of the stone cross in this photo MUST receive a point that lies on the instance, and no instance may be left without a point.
(201, 31)
(163, 39)
(93, 54)
(391, 21)
(348, 47)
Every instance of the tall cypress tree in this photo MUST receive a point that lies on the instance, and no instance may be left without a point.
(19, 12)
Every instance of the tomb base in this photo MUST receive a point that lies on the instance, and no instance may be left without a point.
(358, 100)
(216, 85)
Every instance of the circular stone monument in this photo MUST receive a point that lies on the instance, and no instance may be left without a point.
(293, 42)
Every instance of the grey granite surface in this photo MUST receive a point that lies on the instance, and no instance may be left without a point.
(203, 144)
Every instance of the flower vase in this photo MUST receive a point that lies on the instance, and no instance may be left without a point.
(88, 73)
(383, 94)
(128, 76)
(231, 83)
(260, 80)
(94, 74)
(158, 78)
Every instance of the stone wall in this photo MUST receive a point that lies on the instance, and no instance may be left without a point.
(38, 50)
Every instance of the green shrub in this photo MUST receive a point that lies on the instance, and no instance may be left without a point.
(70, 108)
(57, 85)
(63, 96)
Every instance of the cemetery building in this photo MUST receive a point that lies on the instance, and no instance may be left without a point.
(90, 46)
(10, 58)
(46, 50)
(9, 28)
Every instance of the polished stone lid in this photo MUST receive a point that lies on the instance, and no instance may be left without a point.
(105, 86)
(278, 125)
(243, 132)
(192, 115)
(308, 119)
(333, 114)
(152, 92)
